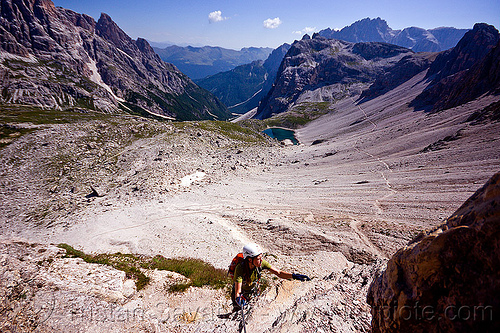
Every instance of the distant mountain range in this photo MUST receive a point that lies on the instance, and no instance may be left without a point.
(55, 58)
(200, 62)
(242, 88)
(319, 69)
(416, 39)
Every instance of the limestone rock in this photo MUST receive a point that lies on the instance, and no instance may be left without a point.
(54, 58)
(447, 279)
(328, 65)
(464, 72)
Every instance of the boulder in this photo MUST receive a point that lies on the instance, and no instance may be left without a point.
(446, 279)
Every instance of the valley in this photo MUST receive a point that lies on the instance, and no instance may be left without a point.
(127, 189)
(366, 189)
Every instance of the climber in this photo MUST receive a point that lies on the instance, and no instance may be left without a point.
(247, 275)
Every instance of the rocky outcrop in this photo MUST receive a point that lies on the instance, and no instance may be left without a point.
(55, 58)
(402, 71)
(483, 77)
(42, 289)
(447, 279)
(452, 82)
(414, 38)
(328, 64)
(470, 49)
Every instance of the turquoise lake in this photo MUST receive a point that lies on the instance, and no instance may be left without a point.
(281, 134)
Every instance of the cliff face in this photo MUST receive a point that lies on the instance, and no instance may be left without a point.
(447, 279)
(402, 71)
(317, 63)
(56, 58)
(463, 73)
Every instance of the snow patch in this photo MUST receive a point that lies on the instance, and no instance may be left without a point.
(96, 77)
(189, 179)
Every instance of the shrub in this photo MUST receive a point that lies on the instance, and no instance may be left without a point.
(197, 271)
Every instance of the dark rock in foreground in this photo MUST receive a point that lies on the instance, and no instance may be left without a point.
(448, 279)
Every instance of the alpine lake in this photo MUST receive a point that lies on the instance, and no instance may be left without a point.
(281, 134)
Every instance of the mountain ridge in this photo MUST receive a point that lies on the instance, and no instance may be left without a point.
(249, 83)
(456, 74)
(55, 58)
(414, 38)
(200, 62)
(313, 64)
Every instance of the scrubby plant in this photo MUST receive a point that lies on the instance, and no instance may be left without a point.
(197, 271)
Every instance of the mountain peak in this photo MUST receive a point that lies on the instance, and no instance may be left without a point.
(414, 38)
(46, 4)
(118, 72)
(474, 45)
(109, 30)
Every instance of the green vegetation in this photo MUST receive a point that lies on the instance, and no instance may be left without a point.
(124, 262)
(9, 133)
(197, 271)
(39, 116)
(237, 85)
(244, 133)
(300, 115)
(232, 131)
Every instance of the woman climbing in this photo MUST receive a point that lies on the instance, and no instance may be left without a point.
(248, 272)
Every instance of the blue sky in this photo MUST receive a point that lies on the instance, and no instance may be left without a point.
(270, 23)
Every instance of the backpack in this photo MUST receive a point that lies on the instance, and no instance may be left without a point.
(236, 260)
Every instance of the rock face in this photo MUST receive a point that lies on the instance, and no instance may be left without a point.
(329, 65)
(447, 279)
(416, 39)
(242, 88)
(402, 71)
(453, 82)
(200, 62)
(56, 58)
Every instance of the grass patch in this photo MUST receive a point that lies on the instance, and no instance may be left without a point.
(232, 131)
(299, 115)
(39, 116)
(127, 263)
(197, 271)
(227, 129)
(9, 133)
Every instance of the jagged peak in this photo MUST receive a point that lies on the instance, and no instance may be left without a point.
(368, 20)
(481, 30)
(144, 46)
(45, 4)
(109, 30)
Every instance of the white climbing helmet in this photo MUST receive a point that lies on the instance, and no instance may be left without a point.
(251, 250)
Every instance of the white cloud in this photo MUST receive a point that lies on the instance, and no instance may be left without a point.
(306, 30)
(272, 23)
(215, 16)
